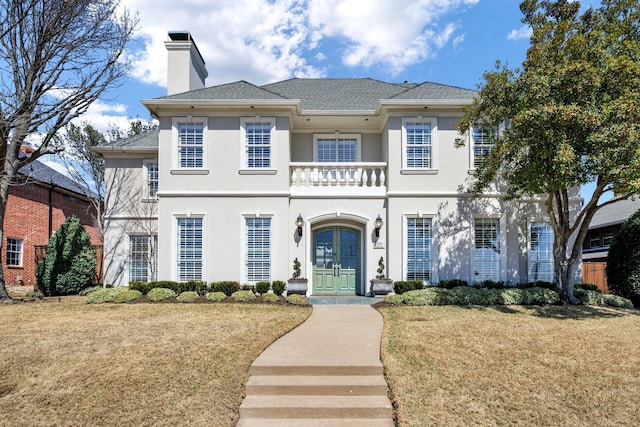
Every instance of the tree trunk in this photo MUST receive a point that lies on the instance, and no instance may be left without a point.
(4, 197)
(566, 269)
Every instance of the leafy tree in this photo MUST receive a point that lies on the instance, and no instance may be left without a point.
(69, 264)
(56, 59)
(572, 116)
(623, 264)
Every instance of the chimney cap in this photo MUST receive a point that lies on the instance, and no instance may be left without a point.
(180, 36)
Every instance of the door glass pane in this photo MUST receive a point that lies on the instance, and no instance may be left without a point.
(324, 249)
(348, 249)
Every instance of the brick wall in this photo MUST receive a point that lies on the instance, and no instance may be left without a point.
(27, 218)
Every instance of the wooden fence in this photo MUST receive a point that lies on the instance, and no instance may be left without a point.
(41, 250)
(594, 273)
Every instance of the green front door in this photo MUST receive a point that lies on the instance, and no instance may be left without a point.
(336, 264)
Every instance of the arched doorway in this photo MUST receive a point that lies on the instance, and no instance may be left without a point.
(337, 260)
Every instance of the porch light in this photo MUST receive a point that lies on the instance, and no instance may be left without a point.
(378, 225)
(299, 224)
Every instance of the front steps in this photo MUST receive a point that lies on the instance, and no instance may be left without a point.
(316, 396)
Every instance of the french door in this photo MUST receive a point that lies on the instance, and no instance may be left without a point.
(336, 261)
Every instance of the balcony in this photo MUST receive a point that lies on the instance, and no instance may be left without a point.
(338, 179)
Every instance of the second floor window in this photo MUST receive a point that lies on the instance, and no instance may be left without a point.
(190, 145)
(257, 138)
(418, 143)
(482, 142)
(151, 179)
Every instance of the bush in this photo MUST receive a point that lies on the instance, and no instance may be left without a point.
(466, 295)
(511, 296)
(278, 287)
(160, 294)
(428, 296)
(126, 295)
(69, 264)
(453, 283)
(102, 295)
(400, 287)
(586, 287)
(296, 299)
(623, 265)
(394, 299)
(243, 296)
(539, 296)
(216, 296)
(617, 301)
(491, 284)
(87, 291)
(188, 296)
(262, 287)
(270, 297)
(34, 295)
(246, 287)
(227, 287)
(589, 297)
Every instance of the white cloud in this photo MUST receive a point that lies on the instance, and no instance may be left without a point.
(268, 40)
(523, 32)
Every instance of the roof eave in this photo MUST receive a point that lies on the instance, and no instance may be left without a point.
(154, 104)
(111, 149)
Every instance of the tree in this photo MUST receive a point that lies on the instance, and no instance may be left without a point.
(572, 115)
(56, 59)
(69, 264)
(623, 264)
(85, 166)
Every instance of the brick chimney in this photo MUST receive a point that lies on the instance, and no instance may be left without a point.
(185, 70)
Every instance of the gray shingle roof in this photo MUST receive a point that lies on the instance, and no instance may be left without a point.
(615, 213)
(42, 173)
(147, 139)
(428, 90)
(237, 90)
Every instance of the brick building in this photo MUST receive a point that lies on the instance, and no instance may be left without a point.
(39, 202)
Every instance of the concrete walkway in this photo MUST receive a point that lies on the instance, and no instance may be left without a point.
(326, 372)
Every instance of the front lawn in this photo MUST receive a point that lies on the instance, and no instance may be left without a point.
(511, 365)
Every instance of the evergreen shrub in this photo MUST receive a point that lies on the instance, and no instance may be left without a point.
(227, 287)
(296, 299)
(278, 287)
(127, 295)
(623, 264)
(262, 287)
(188, 296)
(216, 296)
(243, 296)
(270, 297)
(160, 294)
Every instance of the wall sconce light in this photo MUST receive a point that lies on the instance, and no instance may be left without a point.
(299, 224)
(378, 225)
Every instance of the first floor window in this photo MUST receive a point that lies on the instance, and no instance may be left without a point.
(419, 235)
(541, 253)
(14, 252)
(190, 260)
(487, 250)
(258, 253)
(143, 260)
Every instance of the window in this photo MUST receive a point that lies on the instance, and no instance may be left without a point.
(190, 259)
(190, 144)
(419, 237)
(419, 143)
(482, 142)
(337, 148)
(14, 252)
(258, 254)
(541, 252)
(487, 249)
(152, 180)
(257, 138)
(143, 260)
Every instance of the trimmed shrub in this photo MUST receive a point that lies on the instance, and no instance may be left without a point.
(586, 287)
(589, 297)
(243, 296)
(188, 296)
(539, 296)
(296, 299)
(262, 287)
(467, 295)
(270, 297)
(394, 299)
(511, 296)
(102, 295)
(453, 283)
(69, 264)
(227, 287)
(428, 296)
(127, 295)
(491, 284)
(278, 287)
(247, 287)
(402, 286)
(87, 291)
(216, 296)
(623, 264)
(160, 294)
(617, 301)
(492, 296)
(34, 295)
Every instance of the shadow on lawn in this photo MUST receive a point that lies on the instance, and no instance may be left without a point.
(567, 312)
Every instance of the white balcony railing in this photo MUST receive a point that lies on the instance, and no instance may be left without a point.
(338, 174)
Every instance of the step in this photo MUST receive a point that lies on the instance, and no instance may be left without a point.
(316, 407)
(341, 300)
(317, 370)
(317, 385)
(326, 422)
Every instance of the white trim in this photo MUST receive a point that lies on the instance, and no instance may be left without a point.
(244, 166)
(176, 169)
(433, 121)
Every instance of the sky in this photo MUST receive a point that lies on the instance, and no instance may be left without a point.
(451, 42)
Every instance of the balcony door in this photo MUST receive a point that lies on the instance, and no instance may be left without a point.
(337, 261)
(337, 149)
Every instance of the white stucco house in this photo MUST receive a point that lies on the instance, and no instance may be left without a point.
(240, 179)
